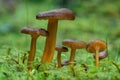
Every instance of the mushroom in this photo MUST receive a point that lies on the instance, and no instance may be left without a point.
(96, 46)
(73, 44)
(67, 62)
(60, 49)
(53, 16)
(102, 55)
(35, 33)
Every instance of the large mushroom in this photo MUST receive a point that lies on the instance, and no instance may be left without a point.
(53, 16)
(73, 44)
(96, 46)
(35, 33)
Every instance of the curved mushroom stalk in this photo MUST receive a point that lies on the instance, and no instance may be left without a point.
(53, 16)
(35, 33)
(60, 49)
(96, 46)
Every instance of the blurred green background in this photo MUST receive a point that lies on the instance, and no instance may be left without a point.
(95, 19)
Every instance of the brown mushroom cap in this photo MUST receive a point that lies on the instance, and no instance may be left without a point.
(61, 14)
(34, 31)
(74, 44)
(61, 49)
(93, 45)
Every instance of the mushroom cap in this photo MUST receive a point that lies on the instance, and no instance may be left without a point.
(96, 44)
(61, 49)
(34, 31)
(74, 44)
(102, 55)
(61, 14)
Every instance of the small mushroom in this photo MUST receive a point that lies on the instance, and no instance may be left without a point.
(60, 49)
(102, 55)
(53, 16)
(96, 46)
(73, 44)
(35, 33)
(67, 62)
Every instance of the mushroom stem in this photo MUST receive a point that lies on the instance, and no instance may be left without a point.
(32, 52)
(59, 59)
(72, 56)
(97, 57)
(50, 41)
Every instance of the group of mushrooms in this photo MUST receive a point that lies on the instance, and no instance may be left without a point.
(97, 46)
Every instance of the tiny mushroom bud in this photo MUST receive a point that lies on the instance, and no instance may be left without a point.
(96, 46)
(60, 49)
(35, 33)
(102, 55)
(73, 44)
(53, 16)
(67, 62)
